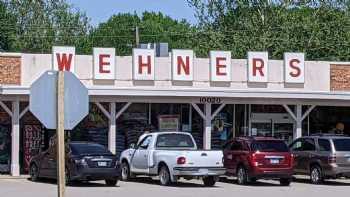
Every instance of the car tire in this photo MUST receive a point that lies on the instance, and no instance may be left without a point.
(34, 172)
(209, 181)
(164, 176)
(316, 175)
(242, 176)
(111, 182)
(285, 181)
(126, 174)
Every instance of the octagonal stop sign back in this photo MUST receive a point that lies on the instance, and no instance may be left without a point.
(43, 100)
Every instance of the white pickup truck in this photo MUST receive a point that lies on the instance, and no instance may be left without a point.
(171, 155)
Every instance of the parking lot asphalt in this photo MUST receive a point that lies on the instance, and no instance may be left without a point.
(145, 187)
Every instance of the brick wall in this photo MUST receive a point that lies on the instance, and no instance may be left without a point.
(10, 70)
(340, 77)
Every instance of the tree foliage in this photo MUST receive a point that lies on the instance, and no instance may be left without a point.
(6, 31)
(40, 24)
(321, 29)
(119, 32)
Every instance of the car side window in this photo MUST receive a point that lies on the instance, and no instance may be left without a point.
(296, 146)
(145, 142)
(236, 146)
(324, 145)
(308, 145)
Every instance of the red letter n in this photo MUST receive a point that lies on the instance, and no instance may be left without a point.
(181, 64)
(63, 62)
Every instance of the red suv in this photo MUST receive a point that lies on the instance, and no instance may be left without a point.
(252, 158)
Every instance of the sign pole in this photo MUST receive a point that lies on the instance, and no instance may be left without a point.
(60, 135)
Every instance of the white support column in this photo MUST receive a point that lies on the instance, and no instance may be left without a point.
(112, 131)
(207, 127)
(298, 133)
(15, 169)
(298, 118)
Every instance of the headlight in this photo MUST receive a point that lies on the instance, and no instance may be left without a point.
(80, 161)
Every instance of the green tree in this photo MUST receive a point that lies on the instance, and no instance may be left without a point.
(6, 31)
(119, 32)
(318, 28)
(40, 24)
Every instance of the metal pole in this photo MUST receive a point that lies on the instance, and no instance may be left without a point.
(234, 121)
(60, 135)
(137, 37)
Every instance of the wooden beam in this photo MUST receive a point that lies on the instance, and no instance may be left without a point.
(104, 111)
(218, 110)
(120, 112)
(9, 112)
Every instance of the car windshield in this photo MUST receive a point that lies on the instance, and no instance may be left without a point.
(174, 140)
(342, 144)
(269, 146)
(88, 149)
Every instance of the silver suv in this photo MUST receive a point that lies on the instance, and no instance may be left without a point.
(322, 157)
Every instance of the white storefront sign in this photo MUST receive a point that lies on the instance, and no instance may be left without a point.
(294, 68)
(257, 67)
(63, 58)
(220, 65)
(182, 65)
(104, 63)
(143, 64)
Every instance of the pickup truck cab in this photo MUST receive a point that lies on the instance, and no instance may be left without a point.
(171, 155)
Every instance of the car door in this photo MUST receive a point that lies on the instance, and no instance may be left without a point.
(296, 148)
(140, 158)
(237, 154)
(51, 159)
(228, 158)
(308, 152)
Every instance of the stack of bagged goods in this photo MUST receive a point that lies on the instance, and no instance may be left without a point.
(120, 142)
(99, 135)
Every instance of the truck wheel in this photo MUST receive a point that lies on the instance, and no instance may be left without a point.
(34, 172)
(111, 182)
(316, 175)
(285, 181)
(209, 181)
(164, 176)
(126, 174)
(242, 177)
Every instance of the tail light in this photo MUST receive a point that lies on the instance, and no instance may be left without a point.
(291, 159)
(332, 159)
(181, 160)
(253, 159)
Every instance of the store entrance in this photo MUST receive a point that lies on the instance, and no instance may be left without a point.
(277, 125)
(5, 149)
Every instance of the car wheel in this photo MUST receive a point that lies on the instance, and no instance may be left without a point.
(164, 176)
(316, 175)
(126, 175)
(285, 181)
(111, 182)
(209, 181)
(34, 172)
(242, 177)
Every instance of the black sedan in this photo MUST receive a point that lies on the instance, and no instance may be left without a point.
(85, 161)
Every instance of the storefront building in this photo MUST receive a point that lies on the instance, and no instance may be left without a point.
(215, 98)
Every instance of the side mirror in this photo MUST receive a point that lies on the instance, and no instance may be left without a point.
(132, 146)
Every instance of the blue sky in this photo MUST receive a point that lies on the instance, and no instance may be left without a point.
(100, 10)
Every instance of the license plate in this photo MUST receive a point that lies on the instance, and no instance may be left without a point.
(102, 163)
(203, 171)
(274, 161)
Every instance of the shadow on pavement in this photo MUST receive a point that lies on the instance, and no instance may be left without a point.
(74, 183)
(325, 183)
(180, 183)
(258, 183)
